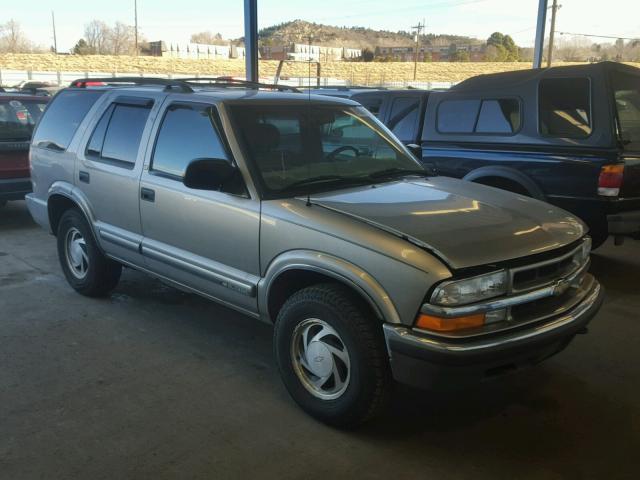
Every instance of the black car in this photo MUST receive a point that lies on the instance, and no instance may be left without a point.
(566, 135)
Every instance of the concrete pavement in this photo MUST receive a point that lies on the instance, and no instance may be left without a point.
(156, 383)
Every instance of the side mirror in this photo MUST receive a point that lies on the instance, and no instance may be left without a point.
(415, 149)
(208, 173)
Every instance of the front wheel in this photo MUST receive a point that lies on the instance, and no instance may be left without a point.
(331, 355)
(86, 269)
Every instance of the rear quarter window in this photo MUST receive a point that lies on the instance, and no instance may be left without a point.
(63, 117)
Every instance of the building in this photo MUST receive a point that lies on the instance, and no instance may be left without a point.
(439, 50)
(305, 53)
(194, 51)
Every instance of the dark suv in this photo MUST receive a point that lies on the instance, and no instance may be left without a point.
(18, 115)
(567, 135)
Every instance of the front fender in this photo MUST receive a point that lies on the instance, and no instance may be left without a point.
(334, 267)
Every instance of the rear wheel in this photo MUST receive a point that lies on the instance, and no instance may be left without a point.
(86, 269)
(504, 184)
(332, 356)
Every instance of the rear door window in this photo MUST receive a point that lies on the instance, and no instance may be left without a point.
(116, 138)
(565, 107)
(403, 117)
(63, 117)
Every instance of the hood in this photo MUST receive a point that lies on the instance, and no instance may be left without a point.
(465, 224)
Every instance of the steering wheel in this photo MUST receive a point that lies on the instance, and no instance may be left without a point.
(344, 148)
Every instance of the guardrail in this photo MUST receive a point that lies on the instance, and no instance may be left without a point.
(13, 77)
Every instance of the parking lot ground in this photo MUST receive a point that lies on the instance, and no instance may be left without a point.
(156, 383)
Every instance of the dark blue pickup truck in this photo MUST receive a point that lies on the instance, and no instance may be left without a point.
(567, 135)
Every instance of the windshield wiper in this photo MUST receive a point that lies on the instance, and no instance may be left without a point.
(395, 171)
(337, 179)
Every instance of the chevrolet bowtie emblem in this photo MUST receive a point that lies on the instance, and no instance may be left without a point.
(560, 287)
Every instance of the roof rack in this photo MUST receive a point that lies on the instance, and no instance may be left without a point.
(183, 84)
(168, 83)
(346, 88)
(233, 82)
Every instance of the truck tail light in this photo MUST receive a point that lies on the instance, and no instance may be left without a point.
(610, 180)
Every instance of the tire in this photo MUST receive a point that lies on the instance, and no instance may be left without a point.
(86, 269)
(598, 237)
(3, 203)
(333, 316)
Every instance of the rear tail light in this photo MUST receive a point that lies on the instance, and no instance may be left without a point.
(610, 180)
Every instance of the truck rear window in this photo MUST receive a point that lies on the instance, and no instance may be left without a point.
(63, 117)
(626, 90)
(17, 119)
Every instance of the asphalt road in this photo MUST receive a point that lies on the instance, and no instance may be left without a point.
(155, 383)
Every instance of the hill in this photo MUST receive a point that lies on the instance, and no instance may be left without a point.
(299, 31)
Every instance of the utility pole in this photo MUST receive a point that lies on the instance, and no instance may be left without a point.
(418, 31)
(135, 14)
(554, 9)
(55, 40)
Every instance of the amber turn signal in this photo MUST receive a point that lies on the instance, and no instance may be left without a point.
(439, 324)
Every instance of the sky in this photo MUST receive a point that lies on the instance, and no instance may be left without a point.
(175, 21)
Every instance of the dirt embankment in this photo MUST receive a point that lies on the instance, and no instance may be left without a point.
(355, 72)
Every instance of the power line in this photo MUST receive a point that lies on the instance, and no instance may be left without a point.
(598, 36)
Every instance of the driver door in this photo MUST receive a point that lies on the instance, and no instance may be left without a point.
(205, 240)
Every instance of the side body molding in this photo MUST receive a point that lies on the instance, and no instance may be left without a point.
(330, 266)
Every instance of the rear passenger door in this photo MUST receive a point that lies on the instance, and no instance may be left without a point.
(206, 240)
(109, 168)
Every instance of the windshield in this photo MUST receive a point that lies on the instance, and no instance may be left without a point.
(309, 147)
(626, 89)
(17, 119)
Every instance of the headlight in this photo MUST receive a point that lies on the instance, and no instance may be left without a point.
(471, 290)
(586, 248)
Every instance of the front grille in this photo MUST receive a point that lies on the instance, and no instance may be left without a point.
(542, 275)
(531, 277)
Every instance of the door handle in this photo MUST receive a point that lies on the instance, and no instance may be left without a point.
(84, 176)
(147, 194)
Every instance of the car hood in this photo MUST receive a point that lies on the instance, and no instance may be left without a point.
(465, 224)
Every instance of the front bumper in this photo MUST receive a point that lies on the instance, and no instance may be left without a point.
(441, 363)
(624, 223)
(14, 188)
